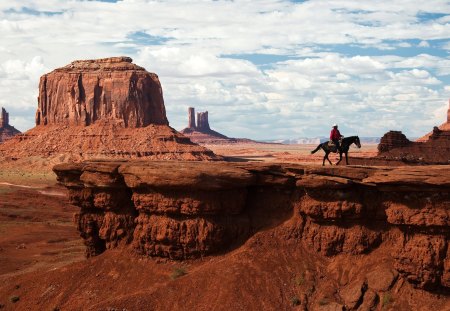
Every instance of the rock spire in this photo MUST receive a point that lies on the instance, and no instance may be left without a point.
(4, 118)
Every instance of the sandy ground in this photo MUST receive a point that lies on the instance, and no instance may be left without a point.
(36, 228)
(285, 153)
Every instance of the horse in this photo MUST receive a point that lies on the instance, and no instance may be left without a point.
(345, 145)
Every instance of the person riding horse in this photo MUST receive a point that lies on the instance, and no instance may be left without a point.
(341, 148)
(335, 136)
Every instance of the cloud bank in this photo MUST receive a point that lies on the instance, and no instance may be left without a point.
(265, 70)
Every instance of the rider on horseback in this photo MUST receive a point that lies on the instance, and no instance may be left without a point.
(335, 136)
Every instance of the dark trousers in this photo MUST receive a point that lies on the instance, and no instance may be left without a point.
(336, 142)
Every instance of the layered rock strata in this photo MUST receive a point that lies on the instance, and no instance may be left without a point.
(104, 108)
(187, 210)
(85, 92)
(6, 130)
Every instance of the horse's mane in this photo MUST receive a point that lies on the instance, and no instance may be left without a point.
(350, 138)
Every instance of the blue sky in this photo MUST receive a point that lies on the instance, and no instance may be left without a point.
(268, 69)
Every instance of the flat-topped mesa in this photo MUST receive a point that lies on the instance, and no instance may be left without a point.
(87, 91)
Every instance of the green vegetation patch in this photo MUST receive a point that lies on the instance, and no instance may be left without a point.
(178, 272)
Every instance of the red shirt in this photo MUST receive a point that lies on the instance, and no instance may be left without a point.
(335, 134)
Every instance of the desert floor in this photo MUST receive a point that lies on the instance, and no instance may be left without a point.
(39, 243)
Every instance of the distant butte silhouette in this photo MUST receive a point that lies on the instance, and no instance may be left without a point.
(6, 130)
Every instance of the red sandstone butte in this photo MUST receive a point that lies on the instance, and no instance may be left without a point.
(84, 92)
(6, 130)
(107, 108)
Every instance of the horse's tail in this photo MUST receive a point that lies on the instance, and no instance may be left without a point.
(317, 149)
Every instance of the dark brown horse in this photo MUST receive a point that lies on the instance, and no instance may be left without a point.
(345, 146)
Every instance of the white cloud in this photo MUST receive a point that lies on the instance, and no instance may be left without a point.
(423, 44)
(298, 95)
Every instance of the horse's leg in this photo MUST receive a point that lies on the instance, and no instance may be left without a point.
(346, 157)
(340, 158)
(326, 156)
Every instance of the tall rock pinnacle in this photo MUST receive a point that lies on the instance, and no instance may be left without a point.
(191, 112)
(6, 131)
(4, 118)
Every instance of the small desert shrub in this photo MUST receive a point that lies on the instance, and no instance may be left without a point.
(387, 299)
(177, 272)
(300, 280)
(295, 301)
(14, 299)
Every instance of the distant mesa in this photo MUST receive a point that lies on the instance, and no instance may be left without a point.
(201, 133)
(433, 148)
(104, 108)
(6, 130)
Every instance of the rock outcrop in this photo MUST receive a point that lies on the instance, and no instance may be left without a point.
(392, 140)
(104, 108)
(444, 127)
(202, 121)
(189, 210)
(6, 130)
(202, 133)
(433, 148)
(85, 92)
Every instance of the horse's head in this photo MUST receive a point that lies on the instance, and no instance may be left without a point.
(357, 142)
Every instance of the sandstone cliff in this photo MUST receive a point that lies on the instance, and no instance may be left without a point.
(6, 130)
(189, 210)
(85, 92)
(104, 108)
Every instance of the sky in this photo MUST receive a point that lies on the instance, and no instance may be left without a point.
(266, 69)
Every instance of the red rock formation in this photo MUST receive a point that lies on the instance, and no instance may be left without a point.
(191, 123)
(202, 121)
(105, 108)
(202, 133)
(392, 140)
(6, 130)
(4, 118)
(188, 210)
(433, 148)
(85, 92)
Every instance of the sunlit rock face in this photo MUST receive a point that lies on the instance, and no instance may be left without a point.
(86, 91)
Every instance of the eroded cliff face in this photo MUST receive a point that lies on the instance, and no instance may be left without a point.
(185, 210)
(87, 91)
(104, 108)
